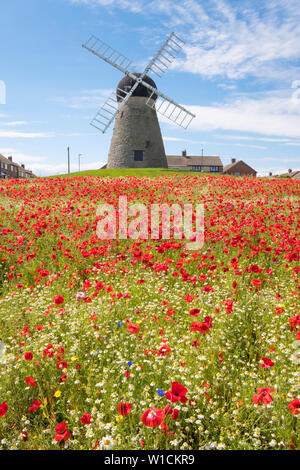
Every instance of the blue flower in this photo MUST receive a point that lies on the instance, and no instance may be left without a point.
(130, 363)
(160, 392)
(120, 323)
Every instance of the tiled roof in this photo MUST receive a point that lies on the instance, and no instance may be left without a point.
(193, 160)
(232, 165)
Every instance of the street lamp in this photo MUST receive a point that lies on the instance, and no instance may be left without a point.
(79, 155)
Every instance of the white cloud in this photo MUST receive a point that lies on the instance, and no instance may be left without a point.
(227, 39)
(15, 123)
(270, 116)
(85, 99)
(25, 135)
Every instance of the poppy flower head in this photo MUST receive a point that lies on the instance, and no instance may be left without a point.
(124, 408)
(3, 409)
(153, 417)
(177, 393)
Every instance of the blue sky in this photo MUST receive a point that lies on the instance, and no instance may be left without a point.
(239, 72)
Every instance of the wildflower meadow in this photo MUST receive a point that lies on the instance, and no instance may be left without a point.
(144, 344)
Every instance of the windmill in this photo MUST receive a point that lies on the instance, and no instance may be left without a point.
(137, 140)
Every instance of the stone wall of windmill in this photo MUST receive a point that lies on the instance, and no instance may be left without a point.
(137, 140)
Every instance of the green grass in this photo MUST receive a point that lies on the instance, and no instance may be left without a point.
(152, 172)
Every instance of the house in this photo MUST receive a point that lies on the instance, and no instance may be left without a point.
(10, 169)
(186, 162)
(292, 174)
(295, 175)
(238, 168)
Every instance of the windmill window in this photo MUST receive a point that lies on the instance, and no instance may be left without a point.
(138, 155)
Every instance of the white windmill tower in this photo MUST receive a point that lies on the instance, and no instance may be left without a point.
(137, 140)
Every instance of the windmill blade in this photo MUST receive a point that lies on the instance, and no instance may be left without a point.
(158, 65)
(108, 54)
(112, 106)
(108, 112)
(165, 56)
(167, 107)
(170, 109)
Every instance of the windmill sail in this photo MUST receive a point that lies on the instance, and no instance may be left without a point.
(109, 110)
(107, 53)
(158, 65)
(165, 56)
(171, 110)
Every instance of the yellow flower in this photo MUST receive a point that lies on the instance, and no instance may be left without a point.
(57, 394)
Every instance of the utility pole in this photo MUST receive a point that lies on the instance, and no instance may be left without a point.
(79, 155)
(68, 159)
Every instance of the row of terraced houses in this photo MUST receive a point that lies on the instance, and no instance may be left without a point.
(10, 169)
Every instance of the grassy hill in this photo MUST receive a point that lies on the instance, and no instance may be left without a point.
(152, 172)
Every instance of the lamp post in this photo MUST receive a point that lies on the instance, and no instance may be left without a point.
(68, 149)
(79, 155)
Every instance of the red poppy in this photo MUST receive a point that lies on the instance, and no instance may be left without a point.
(86, 418)
(28, 356)
(195, 312)
(30, 381)
(294, 407)
(35, 406)
(58, 300)
(294, 322)
(153, 417)
(124, 408)
(3, 409)
(256, 282)
(177, 393)
(201, 327)
(263, 396)
(267, 362)
(189, 298)
(62, 433)
(133, 328)
(62, 365)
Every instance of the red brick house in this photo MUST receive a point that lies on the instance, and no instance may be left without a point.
(10, 169)
(239, 168)
(207, 164)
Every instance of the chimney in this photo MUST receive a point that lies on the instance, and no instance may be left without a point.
(270, 174)
(184, 153)
(290, 171)
(10, 159)
(23, 166)
(233, 160)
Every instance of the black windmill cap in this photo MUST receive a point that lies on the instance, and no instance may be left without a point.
(127, 83)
